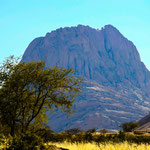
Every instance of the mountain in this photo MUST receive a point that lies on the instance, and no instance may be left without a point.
(144, 120)
(144, 124)
(117, 83)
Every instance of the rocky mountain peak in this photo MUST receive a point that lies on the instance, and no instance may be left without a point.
(87, 50)
(109, 63)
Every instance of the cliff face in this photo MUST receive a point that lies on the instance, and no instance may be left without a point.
(117, 87)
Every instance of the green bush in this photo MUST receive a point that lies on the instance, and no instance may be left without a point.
(103, 131)
(27, 142)
(88, 137)
(91, 130)
(129, 127)
(46, 134)
(73, 130)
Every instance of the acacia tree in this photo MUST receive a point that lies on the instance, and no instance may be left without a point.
(29, 90)
(129, 126)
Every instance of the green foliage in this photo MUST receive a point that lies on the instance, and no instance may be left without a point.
(27, 142)
(88, 137)
(84, 137)
(129, 127)
(5, 142)
(29, 90)
(91, 130)
(46, 134)
(73, 130)
(103, 131)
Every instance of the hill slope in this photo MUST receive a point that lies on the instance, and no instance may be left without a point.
(117, 83)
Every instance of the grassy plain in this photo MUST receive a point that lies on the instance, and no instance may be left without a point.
(104, 146)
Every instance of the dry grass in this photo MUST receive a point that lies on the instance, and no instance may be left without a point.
(107, 146)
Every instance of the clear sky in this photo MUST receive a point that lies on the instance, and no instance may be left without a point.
(23, 20)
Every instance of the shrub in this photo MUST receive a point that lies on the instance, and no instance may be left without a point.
(27, 142)
(103, 131)
(91, 130)
(129, 127)
(46, 134)
(73, 130)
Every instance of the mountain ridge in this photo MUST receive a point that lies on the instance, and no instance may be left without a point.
(117, 82)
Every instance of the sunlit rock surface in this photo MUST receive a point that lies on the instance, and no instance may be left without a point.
(117, 83)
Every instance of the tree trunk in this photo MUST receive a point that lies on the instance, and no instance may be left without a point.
(12, 132)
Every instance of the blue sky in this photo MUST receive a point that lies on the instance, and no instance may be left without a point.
(23, 20)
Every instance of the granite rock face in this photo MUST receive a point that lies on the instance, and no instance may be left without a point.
(117, 83)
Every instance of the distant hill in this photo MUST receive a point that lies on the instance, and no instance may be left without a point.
(144, 123)
(117, 83)
(144, 120)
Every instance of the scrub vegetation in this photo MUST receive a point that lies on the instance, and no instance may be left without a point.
(29, 90)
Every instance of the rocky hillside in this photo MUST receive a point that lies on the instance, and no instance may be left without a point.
(117, 83)
(144, 120)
